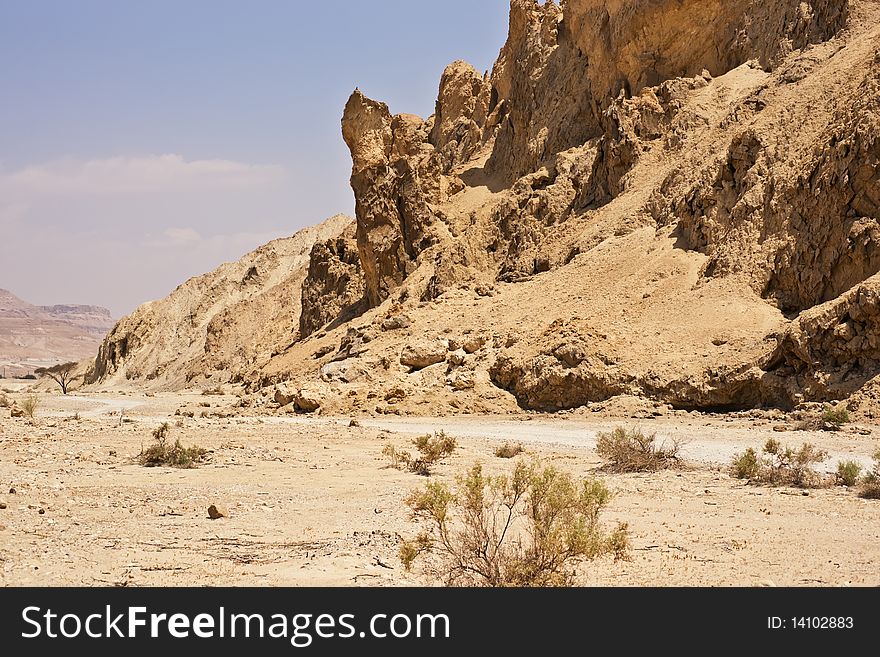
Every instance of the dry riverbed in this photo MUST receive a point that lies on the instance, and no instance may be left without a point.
(313, 501)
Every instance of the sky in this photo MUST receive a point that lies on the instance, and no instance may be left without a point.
(143, 143)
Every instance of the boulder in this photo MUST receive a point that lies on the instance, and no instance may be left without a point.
(284, 394)
(424, 353)
(309, 399)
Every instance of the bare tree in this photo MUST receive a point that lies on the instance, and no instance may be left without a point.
(62, 374)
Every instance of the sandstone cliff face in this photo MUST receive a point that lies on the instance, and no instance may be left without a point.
(334, 284)
(601, 118)
(218, 327)
(569, 78)
(390, 158)
(675, 199)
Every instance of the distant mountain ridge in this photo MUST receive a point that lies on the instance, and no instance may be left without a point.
(32, 335)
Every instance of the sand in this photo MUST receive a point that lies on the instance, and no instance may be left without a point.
(312, 502)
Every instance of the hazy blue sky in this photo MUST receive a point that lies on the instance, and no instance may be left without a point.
(142, 143)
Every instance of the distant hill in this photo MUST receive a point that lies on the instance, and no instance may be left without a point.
(226, 324)
(32, 336)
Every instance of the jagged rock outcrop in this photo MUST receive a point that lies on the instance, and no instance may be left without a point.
(802, 223)
(565, 97)
(832, 350)
(463, 108)
(390, 157)
(334, 284)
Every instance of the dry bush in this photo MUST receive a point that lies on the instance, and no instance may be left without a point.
(780, 465)
(431, 450)
(509, 450)
(633, 451)
(871, 487)
(165, 454)
(848, 473)
(528, 529)
(832, 418)
(29, 405)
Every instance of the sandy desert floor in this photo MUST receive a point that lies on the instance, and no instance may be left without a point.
(313, 501)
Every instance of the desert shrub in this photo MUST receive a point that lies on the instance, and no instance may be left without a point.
(216, 391)
(528, 529)
(509, 450)
(431, 450)
(836, 416)
(162, 453)
(29, 405)
(747, 465)
(161, 432)
(780, 465)
(871, 486)
(633, 451)
(848, 473)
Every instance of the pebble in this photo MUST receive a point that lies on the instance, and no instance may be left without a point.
(216, 512)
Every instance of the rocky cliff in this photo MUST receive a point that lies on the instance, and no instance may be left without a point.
(676, 200)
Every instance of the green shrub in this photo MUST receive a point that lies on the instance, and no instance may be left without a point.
(747, 465)
(780, 465)
(527, 529)
(633, 451)
(836, 416)
(871, 485)
(848, 473)
(431, 450)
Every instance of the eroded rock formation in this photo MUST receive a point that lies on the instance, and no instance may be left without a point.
(675, 199)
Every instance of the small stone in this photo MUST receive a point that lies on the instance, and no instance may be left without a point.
(780, 428)
(768, 583)
(216, 512)
(473, 344)
(805, 493)
(456, 358)
(354, 423)
(12, 491)
(396, 322)
(2, 505)
(42, 512)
